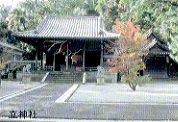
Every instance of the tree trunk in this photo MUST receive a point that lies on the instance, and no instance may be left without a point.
(0, 78)
(133, 86)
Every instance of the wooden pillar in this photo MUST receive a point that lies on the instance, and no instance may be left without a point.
(83, 65)
(41, 60)
(67, 58)
(101, 58)
(54, 62)
(44, 60)
(167, 65)
(36, 60)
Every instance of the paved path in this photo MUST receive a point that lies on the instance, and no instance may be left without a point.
(164, 93)
(10, 87)
(37, 100)
(111, 112)
(69, 120)
(43, 102)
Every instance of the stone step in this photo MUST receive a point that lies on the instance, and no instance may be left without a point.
(63, 77)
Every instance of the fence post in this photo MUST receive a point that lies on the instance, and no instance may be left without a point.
(84, 77)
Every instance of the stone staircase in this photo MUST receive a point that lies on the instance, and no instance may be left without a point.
(65, 77)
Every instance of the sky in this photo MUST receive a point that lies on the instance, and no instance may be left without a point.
(12, 3)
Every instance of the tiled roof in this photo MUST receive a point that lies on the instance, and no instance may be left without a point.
(83, 27)
(157, 46)
(158, 50)
(150, 44)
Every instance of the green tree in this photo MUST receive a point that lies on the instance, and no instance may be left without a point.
(160, 15)
(4, 12)
(30, 13)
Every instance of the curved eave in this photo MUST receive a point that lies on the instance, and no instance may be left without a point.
(65, 38)
(160, 53)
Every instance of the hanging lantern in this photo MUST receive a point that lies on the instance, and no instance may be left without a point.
(74, 59)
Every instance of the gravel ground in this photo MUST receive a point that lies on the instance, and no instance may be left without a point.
(121, 93)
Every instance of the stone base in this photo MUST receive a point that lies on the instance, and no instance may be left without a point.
(100, 81)
(26, 78)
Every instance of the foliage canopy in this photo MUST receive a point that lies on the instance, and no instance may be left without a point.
(130, 52)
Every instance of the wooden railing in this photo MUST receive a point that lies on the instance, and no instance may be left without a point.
(48, 68)
(90, 68)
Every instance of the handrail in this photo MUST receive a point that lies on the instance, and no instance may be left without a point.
(44, 78)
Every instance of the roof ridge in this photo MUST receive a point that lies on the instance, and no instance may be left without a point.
(68, 17)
